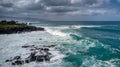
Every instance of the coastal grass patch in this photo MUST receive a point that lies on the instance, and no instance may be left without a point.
(7, 26)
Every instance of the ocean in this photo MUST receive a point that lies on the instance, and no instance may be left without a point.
(78, 44)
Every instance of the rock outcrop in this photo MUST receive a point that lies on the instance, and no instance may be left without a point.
(8, 27)
(41, 54)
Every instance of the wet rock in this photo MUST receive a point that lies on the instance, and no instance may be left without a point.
(27, 46)
(32, 57)
(37, 55)
(27, 61)
(50, 46)
(19, 62)
(7, 60)
(32, 49)
(13, 63)
(40, 39)
(46, 49)
(47, 58)
(39, 58)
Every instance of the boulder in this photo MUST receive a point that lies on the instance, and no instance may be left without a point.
(18, 62)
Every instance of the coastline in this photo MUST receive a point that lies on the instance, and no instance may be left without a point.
(70, 46)
(9, 27)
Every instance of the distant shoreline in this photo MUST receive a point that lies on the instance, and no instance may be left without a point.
(9, 27)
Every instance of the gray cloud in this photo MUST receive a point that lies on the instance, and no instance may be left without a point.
(56, 2)
(38, 8)
(55, 5)
(6, 5)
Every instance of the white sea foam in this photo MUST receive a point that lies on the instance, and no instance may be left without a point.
(72, 26)
(11, 45)
(80, 26)
(56, 32)
(93, 62)
(57, 57)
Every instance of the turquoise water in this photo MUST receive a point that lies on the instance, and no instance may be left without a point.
(96, 45)
(107, 45)
(77, 44)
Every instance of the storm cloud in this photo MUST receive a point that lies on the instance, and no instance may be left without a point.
(39, 8)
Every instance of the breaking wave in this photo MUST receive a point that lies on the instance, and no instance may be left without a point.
(72, 49)
(57, 30)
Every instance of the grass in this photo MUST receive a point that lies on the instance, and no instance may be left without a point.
(7, 26)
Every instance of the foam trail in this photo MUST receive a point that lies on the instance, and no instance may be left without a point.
(74, 26)
(80, 26)
(57, 56)
(56, 32)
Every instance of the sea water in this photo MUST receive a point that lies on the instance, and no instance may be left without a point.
(78, 44)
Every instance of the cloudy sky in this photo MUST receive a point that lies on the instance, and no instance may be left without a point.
(62, 10)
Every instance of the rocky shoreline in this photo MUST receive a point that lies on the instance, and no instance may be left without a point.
(9, 27)
(37, 54)
(20, 30)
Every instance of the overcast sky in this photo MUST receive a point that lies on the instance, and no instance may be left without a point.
(62, 10)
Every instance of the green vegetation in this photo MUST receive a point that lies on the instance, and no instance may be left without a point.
(4, 25)
(8, 27)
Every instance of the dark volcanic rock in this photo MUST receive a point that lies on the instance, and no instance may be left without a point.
(37, 55)
(27, 61)
(28, 46)
(40, 39)
(32, 56)
(18, 62)
(15, 60)
(7, 60)
(49, 46)
(39, 58)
